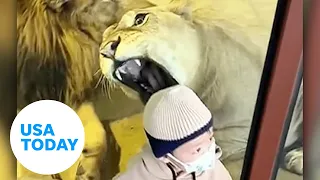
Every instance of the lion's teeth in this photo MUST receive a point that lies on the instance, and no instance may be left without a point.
(143, 86)
(121, 70)
(118, 75)
(138, 62)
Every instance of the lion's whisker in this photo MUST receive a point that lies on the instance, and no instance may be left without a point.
(109, 88)
(99, 81)
(98, 71)
(104, 86)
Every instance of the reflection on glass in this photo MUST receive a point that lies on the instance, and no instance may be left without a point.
(291, 157)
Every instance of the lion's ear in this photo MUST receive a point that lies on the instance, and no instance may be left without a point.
(185, 12)
(159, 3)
(188, 9)
(179, 7)
(56, 5)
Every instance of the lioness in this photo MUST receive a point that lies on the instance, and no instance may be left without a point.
(198, 44)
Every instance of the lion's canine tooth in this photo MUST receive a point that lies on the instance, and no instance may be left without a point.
(118, 75)
(138, 62)
(121, 70)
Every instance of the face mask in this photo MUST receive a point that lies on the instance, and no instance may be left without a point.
(203, 163)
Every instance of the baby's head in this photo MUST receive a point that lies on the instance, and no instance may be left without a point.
(179, 128)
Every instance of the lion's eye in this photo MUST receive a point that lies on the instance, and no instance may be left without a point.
(140, 19)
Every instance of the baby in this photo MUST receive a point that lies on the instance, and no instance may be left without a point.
(181, 144)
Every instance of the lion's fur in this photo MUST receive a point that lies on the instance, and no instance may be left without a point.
(57, 50)
(57, 58)
(218, 53)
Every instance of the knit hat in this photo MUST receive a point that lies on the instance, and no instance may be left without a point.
(174, 116)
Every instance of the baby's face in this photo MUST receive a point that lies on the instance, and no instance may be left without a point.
(192, 150)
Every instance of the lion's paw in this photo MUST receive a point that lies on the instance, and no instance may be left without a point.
(90, 165)
(294, 161)
(83, 174)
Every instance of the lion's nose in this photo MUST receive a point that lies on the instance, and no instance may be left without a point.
(110, 49)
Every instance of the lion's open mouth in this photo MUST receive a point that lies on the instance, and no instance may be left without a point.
(143, 75)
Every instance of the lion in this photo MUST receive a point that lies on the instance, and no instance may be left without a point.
(58, 50)
(201, 44)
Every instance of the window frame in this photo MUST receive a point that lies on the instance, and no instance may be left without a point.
(312, 84)
(276, 91)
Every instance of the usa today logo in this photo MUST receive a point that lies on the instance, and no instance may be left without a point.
(47, 137)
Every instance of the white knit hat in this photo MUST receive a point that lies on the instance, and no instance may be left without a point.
(174, 116)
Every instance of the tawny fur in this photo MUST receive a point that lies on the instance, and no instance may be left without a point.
(218, 53)
(58, 52)
(57, 56)
(65, 41)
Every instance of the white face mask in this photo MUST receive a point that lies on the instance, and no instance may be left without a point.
(203, 163)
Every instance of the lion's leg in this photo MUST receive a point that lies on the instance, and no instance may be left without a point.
(293, 158)
(294, 161)
(95, 143)
(110, 166)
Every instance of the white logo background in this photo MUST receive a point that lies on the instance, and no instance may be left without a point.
(65, 123)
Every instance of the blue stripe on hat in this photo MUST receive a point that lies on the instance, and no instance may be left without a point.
(162, 147)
